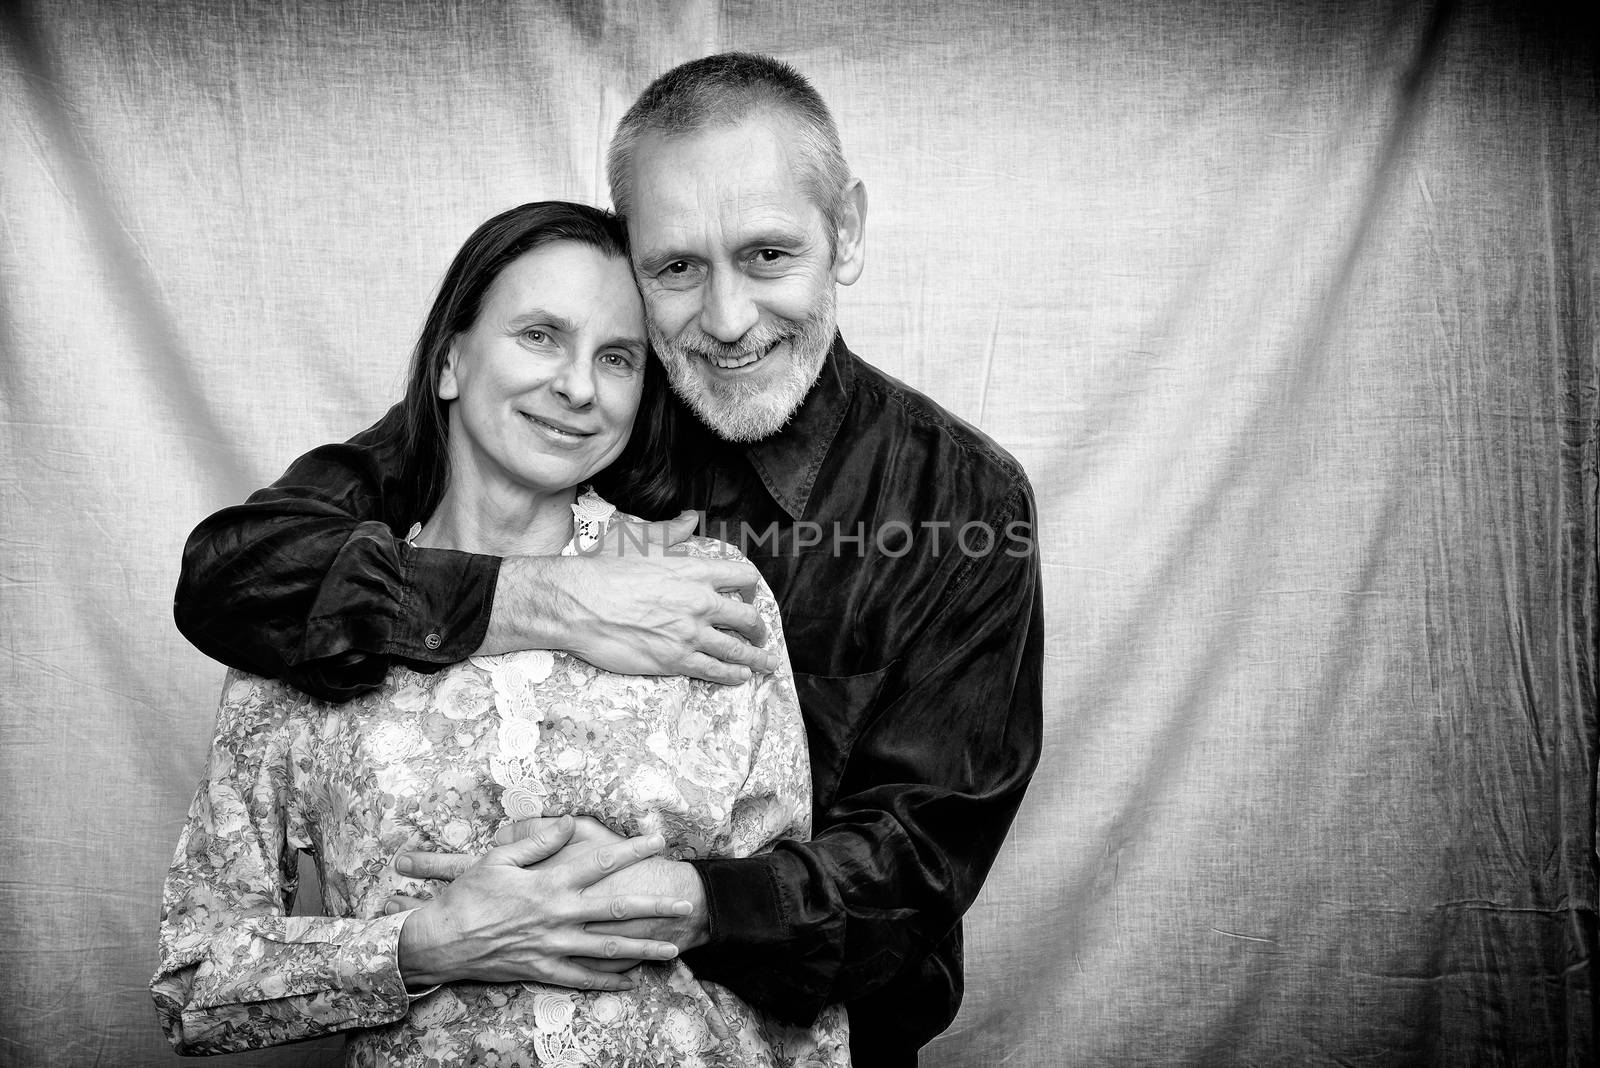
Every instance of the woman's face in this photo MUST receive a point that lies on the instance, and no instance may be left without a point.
(546, 382)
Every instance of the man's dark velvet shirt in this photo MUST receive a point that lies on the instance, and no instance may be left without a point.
(917, 650)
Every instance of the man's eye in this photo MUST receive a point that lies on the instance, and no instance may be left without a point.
(770, 255)
(679, 275)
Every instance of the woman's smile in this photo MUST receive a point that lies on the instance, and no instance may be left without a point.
(559, 433)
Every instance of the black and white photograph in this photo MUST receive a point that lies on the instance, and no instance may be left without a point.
(722, 534)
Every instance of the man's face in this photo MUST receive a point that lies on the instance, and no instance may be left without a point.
(737, 271)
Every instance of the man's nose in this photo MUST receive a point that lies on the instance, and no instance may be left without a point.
(574, 382)
(727, 312)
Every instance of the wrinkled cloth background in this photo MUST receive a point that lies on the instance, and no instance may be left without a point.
(1288, 310)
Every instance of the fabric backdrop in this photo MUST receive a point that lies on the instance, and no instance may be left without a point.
(1288, 310)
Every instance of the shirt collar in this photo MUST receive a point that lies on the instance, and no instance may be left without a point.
(789, 460)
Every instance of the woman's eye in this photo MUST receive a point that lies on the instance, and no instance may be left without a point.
(619, 361)
(538, 337)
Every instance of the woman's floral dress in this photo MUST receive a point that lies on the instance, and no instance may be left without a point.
(439, 762)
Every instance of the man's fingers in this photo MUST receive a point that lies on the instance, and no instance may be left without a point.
(701, 666)
(571, 973)
(446, 866)
(739, 620)
(736, 653)
(621, 964)
(730, 576)
(680, 527)
(401, 903)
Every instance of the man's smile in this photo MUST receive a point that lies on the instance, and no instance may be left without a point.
(744, 359)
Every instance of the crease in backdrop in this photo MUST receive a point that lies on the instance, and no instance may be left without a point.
(1288, 310)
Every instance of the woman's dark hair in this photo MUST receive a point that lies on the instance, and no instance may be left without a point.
(643, 479)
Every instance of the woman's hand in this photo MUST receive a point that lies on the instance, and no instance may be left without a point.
(653, 875)
(508, 917)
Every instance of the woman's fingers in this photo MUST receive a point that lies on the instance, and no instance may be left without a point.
(533, 841)
(584, 829)
(544, 841)
(444, 866)
(544, 829)
(540, 843)
(616, 947)
(606, 859)
(631, 907)
(588, 829)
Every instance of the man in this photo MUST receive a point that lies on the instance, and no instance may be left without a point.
(896, 537)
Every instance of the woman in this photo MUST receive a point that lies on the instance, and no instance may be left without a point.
(530, 380)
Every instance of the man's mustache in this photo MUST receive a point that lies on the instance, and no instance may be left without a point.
(748, 345)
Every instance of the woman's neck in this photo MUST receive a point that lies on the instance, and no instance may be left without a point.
(500, 525)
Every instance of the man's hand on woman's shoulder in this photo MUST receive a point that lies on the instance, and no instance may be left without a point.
(631, 607)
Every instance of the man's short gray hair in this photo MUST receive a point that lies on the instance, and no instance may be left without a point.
(724, 89)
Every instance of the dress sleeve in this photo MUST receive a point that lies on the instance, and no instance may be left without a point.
(773, 803)
(236, 971)
(307, 581)
(932, 779)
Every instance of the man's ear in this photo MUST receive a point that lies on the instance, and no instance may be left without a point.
(850, 245)
(449, 388)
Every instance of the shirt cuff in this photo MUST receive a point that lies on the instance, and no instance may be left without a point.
(413, 996)
(444, 608)
(751, 944)
(743, 906)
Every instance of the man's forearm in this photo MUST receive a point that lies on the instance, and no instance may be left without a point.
(532, 598)
(307, 581)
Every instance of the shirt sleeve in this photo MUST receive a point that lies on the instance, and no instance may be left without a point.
(307, 581)
(947, 743)
(236, 971)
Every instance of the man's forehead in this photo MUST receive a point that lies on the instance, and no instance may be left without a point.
(740, 177)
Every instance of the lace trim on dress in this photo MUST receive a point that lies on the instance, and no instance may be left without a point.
(591, 514)
(516, 679)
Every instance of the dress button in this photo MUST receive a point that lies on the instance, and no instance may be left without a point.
(433, 641)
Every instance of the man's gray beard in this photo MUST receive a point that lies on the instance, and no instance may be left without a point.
(749, 411)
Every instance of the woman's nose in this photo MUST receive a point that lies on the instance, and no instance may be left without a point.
(574, 382)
